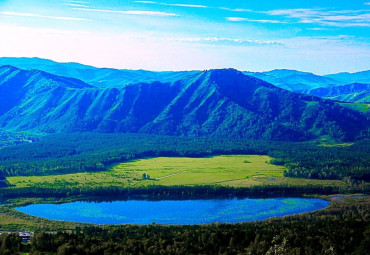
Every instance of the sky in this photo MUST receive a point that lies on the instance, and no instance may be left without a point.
(319, 36)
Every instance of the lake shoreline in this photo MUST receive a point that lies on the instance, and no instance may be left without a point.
(178, 212)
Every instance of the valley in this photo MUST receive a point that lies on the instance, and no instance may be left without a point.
(74, 135)
(230, 171)
(191, 127)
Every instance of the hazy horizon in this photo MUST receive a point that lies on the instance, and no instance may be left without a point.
(103, 67)
(322, 37)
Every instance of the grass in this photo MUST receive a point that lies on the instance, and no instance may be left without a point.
(231, 170)
(326, 144)
(11, 219)
(360, 107)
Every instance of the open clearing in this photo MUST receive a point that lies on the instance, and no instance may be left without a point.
(230, 170)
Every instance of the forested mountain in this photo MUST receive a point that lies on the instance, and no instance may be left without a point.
(221, 103)
(356, 97)
(355, 92)
(297, 81)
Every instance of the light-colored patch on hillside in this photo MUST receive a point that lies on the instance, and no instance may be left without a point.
(357, 107)
(336, 144)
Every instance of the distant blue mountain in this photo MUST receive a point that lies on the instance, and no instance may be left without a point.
(216, 103)
(99, 77)
(340, 87)
(295, 80)
(347, 78)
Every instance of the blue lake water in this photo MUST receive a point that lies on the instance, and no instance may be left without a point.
(175, 211)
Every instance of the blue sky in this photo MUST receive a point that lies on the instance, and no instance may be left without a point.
(317, 36)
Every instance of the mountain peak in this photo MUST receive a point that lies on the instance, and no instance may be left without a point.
(232, 79)
(218, 102)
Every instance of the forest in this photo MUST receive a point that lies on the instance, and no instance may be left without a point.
(342, 228)
(71, 153)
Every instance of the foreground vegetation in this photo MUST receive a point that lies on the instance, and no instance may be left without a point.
(342, 228)
(68, 167)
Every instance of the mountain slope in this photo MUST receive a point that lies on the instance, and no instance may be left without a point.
(113, 78)
(295, 80)
(222, 103)
(355, 92)
(99, 77)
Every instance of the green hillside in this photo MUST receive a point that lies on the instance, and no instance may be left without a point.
(216, 103)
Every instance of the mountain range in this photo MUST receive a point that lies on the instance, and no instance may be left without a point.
(297, 81)
(99, 77)
(217, 103)
(345, 87)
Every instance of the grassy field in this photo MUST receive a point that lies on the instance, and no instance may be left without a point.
(11, 219)
(231, 170)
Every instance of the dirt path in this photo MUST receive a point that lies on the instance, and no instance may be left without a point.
(157, 179)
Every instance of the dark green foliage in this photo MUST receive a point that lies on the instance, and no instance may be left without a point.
(171, 192)
(69, 153)
(343, 228)
(65, 153)
(319, 162)
(11, 243)
(15, 138)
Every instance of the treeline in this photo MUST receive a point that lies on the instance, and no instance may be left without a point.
(173, 192)
(343, 228)
(320, 162)
(79, 152)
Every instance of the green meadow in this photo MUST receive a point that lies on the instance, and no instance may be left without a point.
(230, 170)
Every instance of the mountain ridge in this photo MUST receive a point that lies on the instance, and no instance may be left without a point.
(99, 77)
(355, 92)
(216, 103)
(111, 77)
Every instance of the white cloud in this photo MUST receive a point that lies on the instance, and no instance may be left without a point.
(129, 51)
(226, 40)
(178, 5)
(367, 3)
(21, 14)
(145, 51)
(318, 29)
(145, 13)
(79, 2)
(239, 19)
(236, 19)
(77, 5)
(343, 18)
(188, 5)
(236, 10)
(145, 2)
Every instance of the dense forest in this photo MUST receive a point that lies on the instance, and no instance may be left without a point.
(173, 192)
(70, 153)
(343, 228)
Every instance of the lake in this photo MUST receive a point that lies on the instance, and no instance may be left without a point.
(175, 211)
